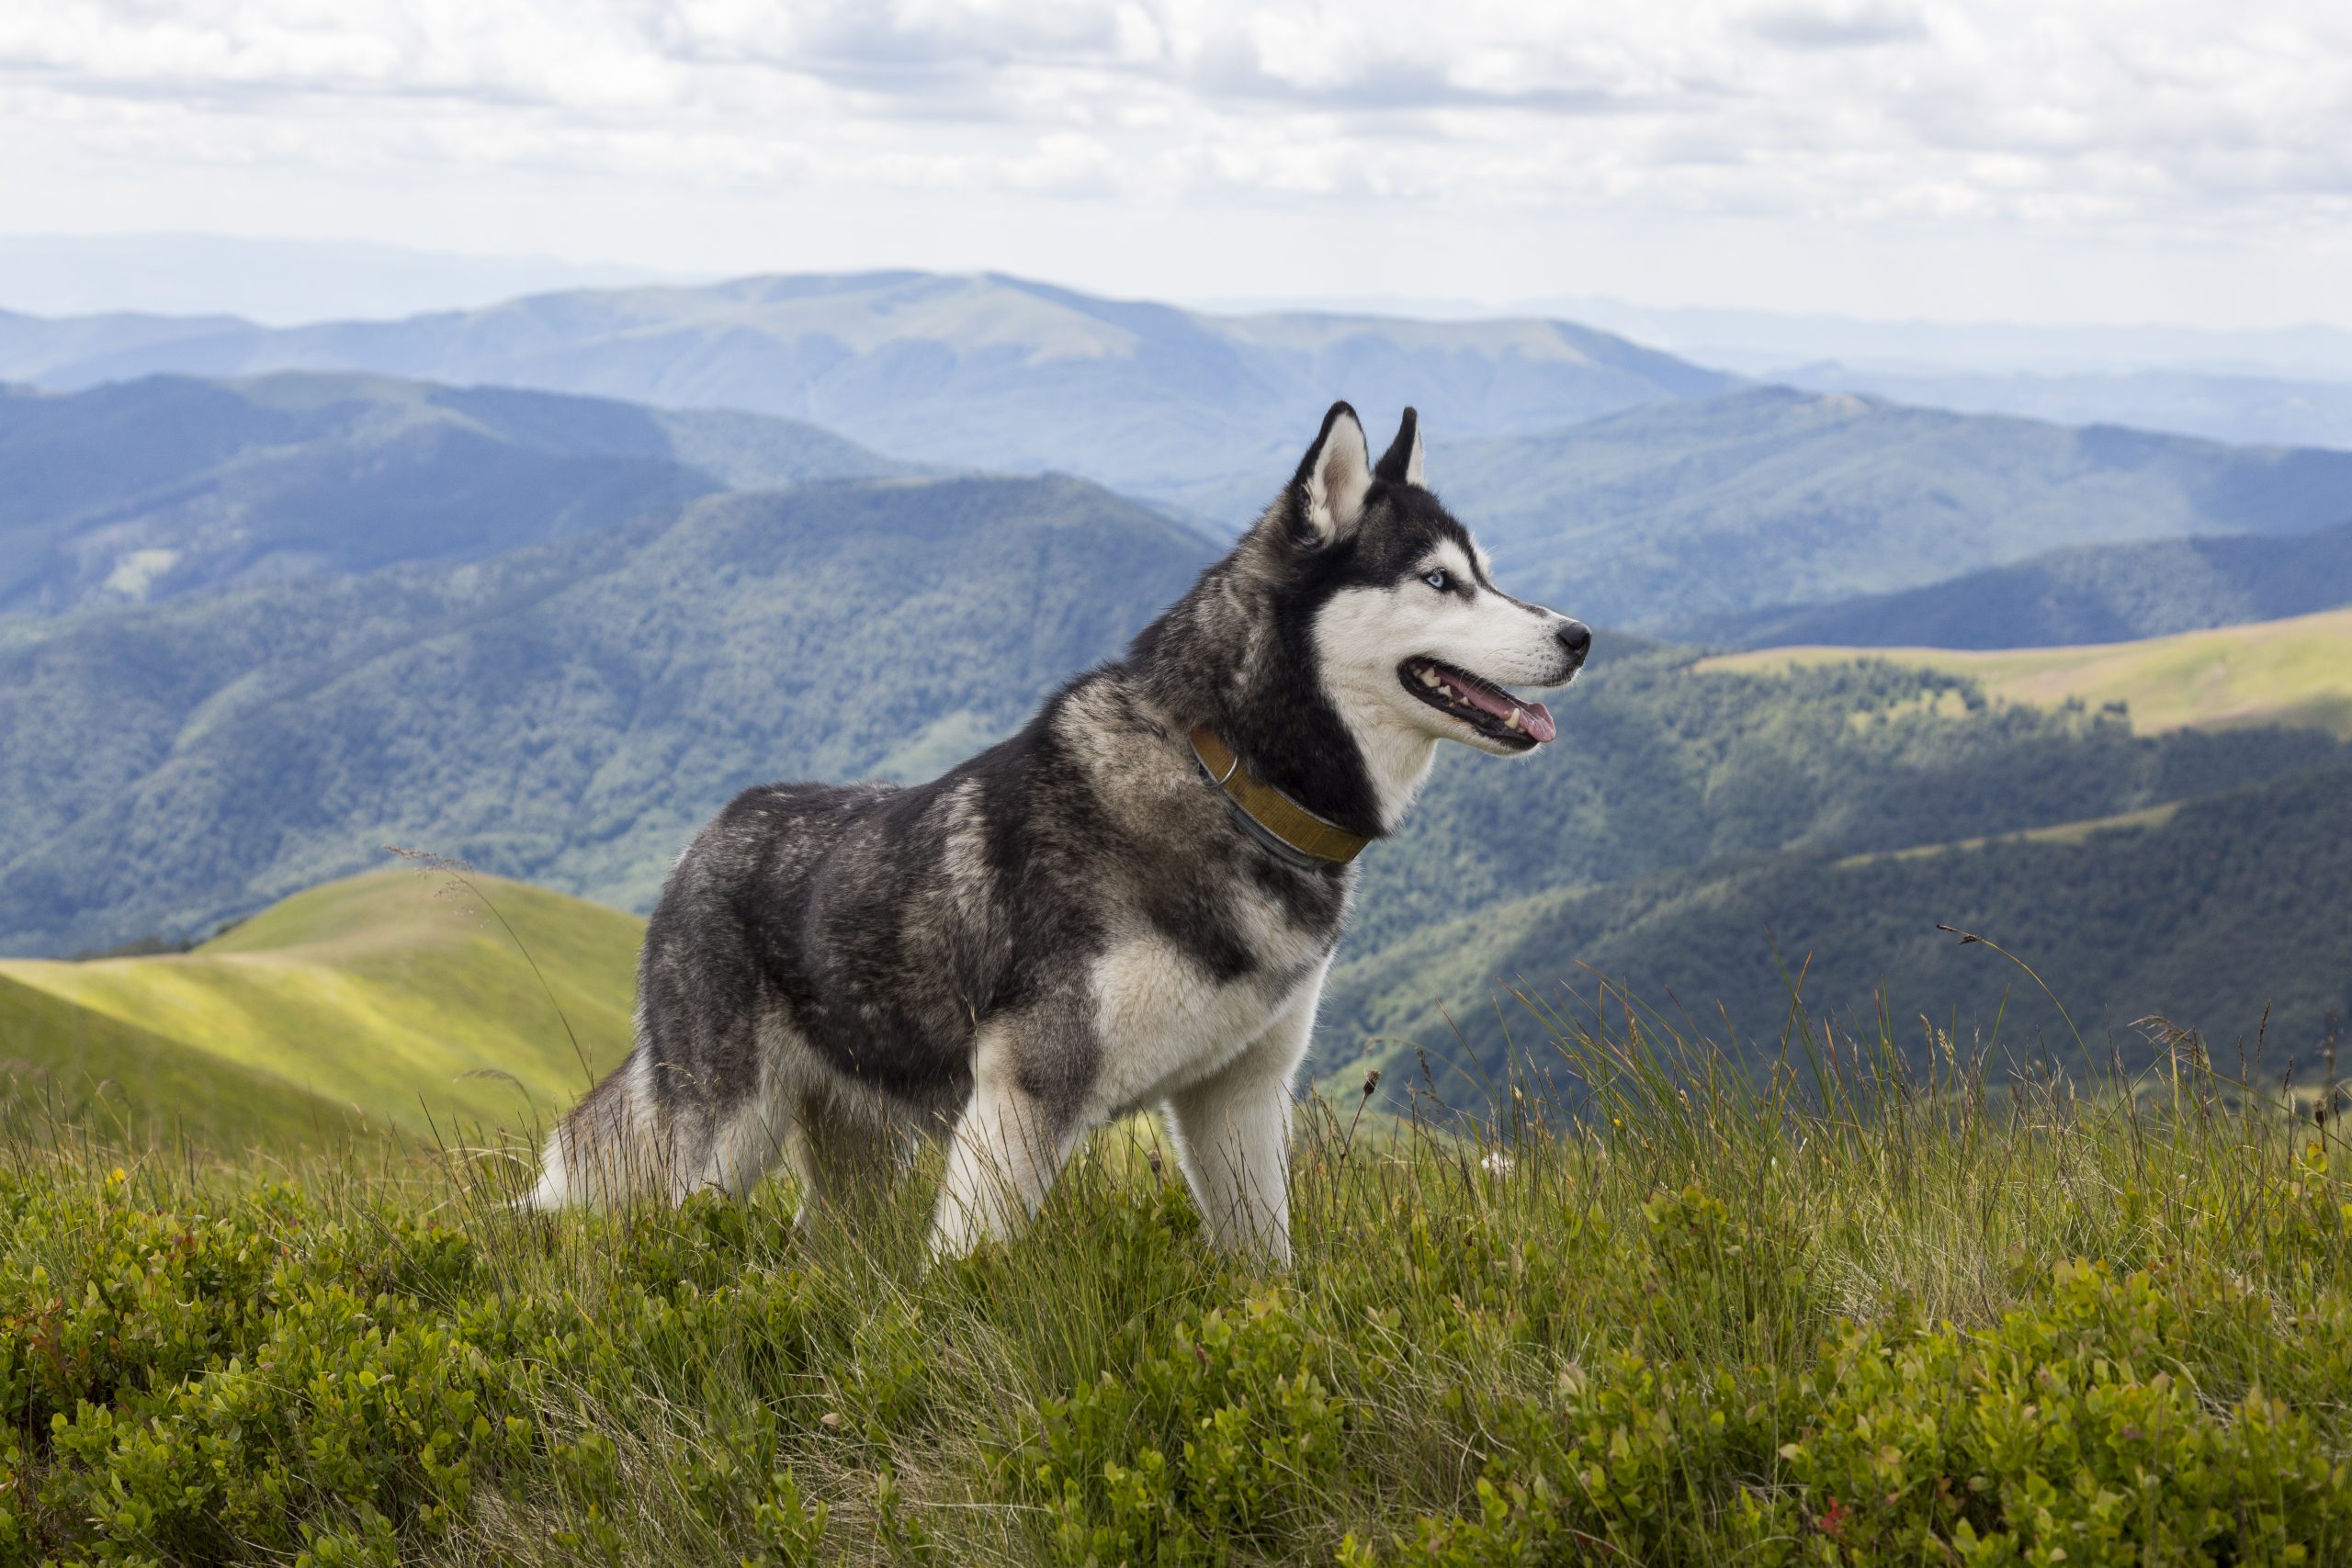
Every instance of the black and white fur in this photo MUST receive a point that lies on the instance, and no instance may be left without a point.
(1077, 922)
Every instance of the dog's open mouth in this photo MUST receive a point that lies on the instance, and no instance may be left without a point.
(1480, 704)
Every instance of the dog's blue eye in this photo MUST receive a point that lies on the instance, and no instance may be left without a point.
(1439, 579)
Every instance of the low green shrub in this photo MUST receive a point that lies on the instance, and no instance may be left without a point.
(1946, 1325)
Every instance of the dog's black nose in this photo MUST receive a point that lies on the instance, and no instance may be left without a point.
(1577, 638)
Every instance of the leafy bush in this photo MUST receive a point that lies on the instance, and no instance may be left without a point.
(1892, 1322)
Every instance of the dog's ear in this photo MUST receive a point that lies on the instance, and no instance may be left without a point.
(1327, 491)
(1401, 464)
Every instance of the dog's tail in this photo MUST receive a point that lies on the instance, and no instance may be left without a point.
(612, 1146)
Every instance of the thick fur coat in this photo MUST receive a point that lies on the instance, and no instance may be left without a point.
(1079, 921)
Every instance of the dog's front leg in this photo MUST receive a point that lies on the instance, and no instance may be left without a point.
(1009, 1143)
(1232, 1136)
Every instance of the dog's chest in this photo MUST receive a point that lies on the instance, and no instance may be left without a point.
(1165, 1018)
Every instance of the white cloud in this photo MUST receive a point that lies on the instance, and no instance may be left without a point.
(2093, 123)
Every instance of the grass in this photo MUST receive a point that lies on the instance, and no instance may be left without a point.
(1655, 1311)
(399, 999)
(2296, 671)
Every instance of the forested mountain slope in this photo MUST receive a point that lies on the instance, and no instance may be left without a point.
(568, 713)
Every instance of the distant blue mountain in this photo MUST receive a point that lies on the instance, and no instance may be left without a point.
(1684, 515)
(2092, 593)
(149, 489)
(985, 371)
(2219, 407)
(1632, 485)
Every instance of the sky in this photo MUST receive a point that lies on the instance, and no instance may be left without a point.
(2042, 161)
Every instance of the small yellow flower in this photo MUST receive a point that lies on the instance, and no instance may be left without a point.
(118, 1175)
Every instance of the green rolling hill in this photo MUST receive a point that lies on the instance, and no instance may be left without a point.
(62, 1062)
(2296, 671)
(396, 1001)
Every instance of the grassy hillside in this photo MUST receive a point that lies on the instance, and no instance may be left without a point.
(390, 999)
(64, 1062)
(987, 371)
(165, 486)
(568, 714)
(2293, 671)
(2089, 595)
(1874, 1319)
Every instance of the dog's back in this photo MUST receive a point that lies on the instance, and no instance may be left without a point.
(1093, 916)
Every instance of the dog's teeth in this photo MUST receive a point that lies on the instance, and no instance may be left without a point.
(1512, 722)
(1429, 678)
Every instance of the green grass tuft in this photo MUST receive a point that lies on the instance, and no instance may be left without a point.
(1839, 1313)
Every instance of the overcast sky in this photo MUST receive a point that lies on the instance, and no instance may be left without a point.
(2044, 161)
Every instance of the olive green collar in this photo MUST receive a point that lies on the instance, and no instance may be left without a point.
(1284, 820)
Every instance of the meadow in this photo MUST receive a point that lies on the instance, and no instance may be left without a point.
(398, 1001)
(2288, 672)
(1648, 1310)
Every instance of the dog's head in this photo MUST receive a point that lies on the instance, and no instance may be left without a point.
(1412, 639)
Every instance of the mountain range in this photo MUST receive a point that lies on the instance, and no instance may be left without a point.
(569, 711)
(2089, 593)
(2220, 407)
(982, 371)
(256, 628)
(1692, 515)
(1684, 515)
(128, 491)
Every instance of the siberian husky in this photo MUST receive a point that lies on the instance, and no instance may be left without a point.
(1131, 903)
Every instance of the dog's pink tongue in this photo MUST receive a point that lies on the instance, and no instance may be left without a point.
(1533, 717)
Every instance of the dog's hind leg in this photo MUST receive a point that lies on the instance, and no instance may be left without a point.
(743, 1144)
(621, 1142)
(1232, 1136)
(1012, 1140)
(844, 1156)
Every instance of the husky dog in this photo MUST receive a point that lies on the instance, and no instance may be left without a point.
(1131, 903)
